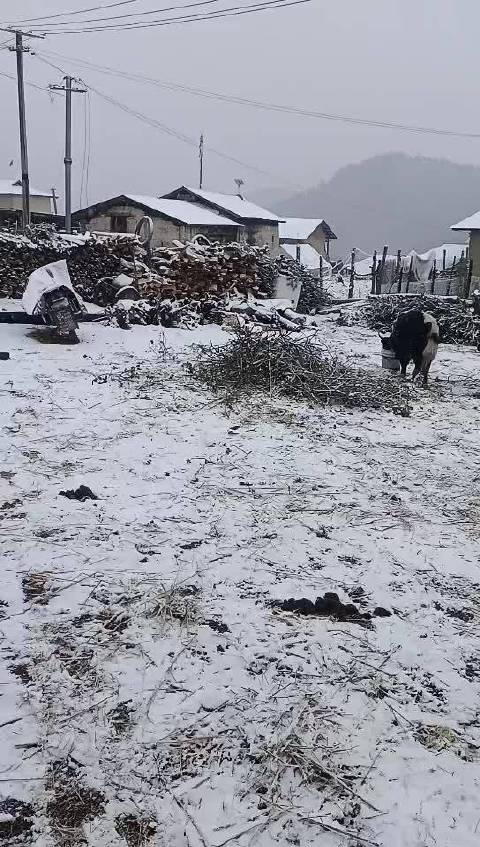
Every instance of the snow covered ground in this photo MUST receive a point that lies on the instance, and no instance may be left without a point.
(149, 692)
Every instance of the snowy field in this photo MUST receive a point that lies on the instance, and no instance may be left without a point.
(149, 692)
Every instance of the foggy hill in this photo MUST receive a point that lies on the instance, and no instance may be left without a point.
(407, 203)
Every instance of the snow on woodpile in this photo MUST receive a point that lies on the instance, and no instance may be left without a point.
(457, 322)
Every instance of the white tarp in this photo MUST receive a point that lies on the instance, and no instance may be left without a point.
(44, 279)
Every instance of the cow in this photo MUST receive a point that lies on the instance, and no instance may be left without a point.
(415, 336)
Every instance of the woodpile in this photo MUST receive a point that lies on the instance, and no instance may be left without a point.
(456, 319)
(88, 261)
(197, 271)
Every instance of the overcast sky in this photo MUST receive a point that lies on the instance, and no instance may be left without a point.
(408, 61)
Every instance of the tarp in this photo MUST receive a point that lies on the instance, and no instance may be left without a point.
(44, 279)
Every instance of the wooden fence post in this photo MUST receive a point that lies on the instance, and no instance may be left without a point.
(373, 289)
(398, 272)
(297, 253)
(469, 278)
(352, 275)
(452, 273)
(434, 276)
(381, 270)
(320, 272)
(410, 272)
(444, 260)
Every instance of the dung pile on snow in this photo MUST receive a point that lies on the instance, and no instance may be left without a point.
(279, 364)
(456, 320)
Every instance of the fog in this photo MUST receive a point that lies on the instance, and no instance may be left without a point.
(406, 61)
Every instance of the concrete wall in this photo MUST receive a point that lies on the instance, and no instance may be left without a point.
(13, 202)
(164, 231)
(263, 234)
(318, 241)
(475, 251)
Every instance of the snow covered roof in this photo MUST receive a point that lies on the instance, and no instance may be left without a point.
(301, 228)
(309, 257)
(187, 213)
(230, 203)
(14, 187)
(473, 222)
(191, 214)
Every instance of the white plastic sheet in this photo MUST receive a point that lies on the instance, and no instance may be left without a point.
(47, 278)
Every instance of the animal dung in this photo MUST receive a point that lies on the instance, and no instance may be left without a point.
(329, 606)
(82, 493)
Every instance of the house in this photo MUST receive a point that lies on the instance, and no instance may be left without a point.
(11, 198)
(260, 225)
(173, 220)
(472, 226)
(314, 232)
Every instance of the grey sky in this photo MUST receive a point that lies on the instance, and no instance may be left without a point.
(408, 61)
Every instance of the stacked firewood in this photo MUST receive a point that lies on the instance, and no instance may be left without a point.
(88, 261)
(197, 271)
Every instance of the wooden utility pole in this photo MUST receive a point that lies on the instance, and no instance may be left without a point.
(69, 90)
(200, 155)
(19, 49)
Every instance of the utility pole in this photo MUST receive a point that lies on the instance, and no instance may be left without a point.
(69, 90)
(19, 49)
(200, 153)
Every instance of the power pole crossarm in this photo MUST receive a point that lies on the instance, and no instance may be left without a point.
(69, 90)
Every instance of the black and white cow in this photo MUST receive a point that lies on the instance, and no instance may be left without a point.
(415, 336)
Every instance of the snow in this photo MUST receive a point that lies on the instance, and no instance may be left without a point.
(14, 187)
(235, 204)
(188, 213)
(298, 228)
(472, 222)
(309, 257)
(280, 728)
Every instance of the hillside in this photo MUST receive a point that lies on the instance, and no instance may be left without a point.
(405, 202)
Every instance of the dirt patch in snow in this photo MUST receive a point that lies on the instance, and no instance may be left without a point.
(137, 831)
(16, 821)
(36, 587)
(71, 804)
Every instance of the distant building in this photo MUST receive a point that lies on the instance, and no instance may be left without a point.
(472, 226)
(312, 237)
(11, 198)
(173, 220)
(260, 227)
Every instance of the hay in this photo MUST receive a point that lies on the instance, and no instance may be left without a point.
(300, 369)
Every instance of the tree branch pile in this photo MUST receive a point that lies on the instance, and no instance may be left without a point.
(282, 365)
(456, 320)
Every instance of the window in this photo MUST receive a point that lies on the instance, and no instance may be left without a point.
(118, 223)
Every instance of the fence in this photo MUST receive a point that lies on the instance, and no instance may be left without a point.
(390, 276)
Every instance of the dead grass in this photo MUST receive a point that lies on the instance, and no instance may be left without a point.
(71, 803)
(137, 831)
(36, 587)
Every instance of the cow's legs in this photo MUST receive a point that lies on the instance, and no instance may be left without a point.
(418, 362)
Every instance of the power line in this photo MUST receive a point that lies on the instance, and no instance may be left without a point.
(77, 12)
(233, 11)
(155, 124)
(31, 84)
(257, 104)
(133, 14)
